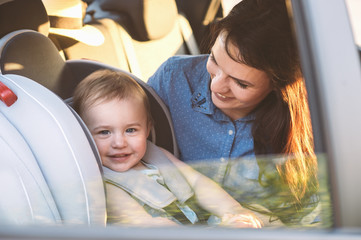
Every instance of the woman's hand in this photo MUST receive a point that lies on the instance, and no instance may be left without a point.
(242, 220)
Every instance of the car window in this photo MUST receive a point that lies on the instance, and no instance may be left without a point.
(256, 184)
(354, 9)
(253, 182)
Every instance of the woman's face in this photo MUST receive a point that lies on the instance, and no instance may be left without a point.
(236, 88)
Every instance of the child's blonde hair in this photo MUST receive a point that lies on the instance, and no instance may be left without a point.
(105, 85)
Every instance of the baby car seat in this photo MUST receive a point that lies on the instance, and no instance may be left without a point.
(31, 54)
(50, 170)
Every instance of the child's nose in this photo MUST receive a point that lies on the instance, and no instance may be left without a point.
(119, 141)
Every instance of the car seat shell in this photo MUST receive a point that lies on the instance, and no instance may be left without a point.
(61, 149)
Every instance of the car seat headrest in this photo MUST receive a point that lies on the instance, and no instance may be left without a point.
(67, 20)
(20, 14)
(33, 55)
(67, 14)
(148, 19)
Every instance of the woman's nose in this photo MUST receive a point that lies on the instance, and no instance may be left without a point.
(119, 141)
(219, 82)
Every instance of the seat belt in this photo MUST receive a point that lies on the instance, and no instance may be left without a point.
(211, 12)
(130, 53)
(112, 27)
(187, 35)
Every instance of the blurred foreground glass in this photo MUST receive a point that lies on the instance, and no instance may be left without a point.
(256, 184)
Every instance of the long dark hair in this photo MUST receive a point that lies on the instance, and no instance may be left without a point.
(261, 30)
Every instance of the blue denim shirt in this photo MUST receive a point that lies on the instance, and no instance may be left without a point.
(202, 131)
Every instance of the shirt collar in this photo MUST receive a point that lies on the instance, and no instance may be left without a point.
(201, 98)
(201, 101)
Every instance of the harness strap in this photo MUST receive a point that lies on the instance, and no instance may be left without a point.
(130, 53)
(187, 35)
(141, 187)
(174, 180)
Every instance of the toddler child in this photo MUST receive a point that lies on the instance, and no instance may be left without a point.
(145, 184)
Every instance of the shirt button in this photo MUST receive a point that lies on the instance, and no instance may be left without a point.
(230, 132)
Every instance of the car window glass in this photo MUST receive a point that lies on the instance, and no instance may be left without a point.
(354, 9)
(255, 183)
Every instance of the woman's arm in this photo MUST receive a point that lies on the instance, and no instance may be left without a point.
(123, 209)
(215, 199)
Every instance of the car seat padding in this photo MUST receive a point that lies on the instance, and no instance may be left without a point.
(26, 198)
(61, 149)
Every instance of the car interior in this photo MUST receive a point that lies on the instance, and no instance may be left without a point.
(43, 140)
(51, 169)
(136, 37)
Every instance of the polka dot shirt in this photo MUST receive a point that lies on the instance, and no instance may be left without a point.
(202, 131)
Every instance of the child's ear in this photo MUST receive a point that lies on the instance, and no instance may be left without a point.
(149, 128)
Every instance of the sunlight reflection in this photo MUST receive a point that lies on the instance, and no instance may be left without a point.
(13, 66)
(87, 34)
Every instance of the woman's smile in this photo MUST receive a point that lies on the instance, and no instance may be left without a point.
(222, 98)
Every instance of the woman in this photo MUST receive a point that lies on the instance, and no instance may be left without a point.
(246, 98)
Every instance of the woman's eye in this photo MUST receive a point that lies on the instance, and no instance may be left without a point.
(211, 57)
(131, 130)
(242, 85)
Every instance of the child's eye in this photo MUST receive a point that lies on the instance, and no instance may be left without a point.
(104, 132)
(131, 130)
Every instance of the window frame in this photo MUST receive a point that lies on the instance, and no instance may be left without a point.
(332, 72)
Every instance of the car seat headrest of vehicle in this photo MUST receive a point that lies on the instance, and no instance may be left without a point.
(149, 19)
(67, 19)
(65, 13)
(19, 14)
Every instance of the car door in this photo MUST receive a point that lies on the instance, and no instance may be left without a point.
(331, 67)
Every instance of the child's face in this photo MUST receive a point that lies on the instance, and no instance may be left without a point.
(120, 131)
